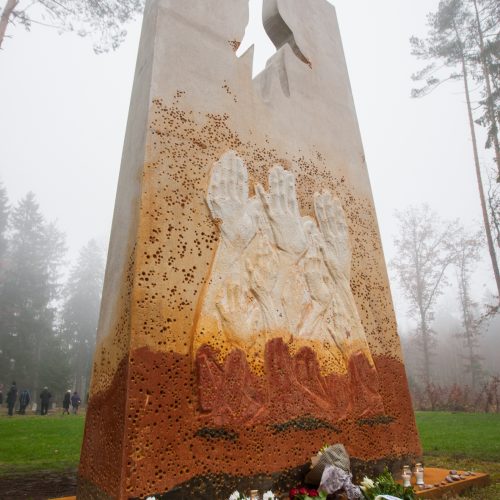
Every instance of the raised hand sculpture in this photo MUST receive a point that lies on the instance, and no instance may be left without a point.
(318, 279)
(319, 283)
(262, 267)
(282, 210)
(237, 312)
(333, 240)
(334, 243)
(228, 201)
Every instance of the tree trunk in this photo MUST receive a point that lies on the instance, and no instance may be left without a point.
(489, 101)
(4, 20)
(463, 287)
(486, 219)
(425, 350)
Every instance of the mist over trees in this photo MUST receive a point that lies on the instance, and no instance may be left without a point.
(80, 312)
(431, 255)
(424, 250)
(462, 45)
(47, 326)
(102, 21)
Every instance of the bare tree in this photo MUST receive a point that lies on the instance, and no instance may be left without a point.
(102, 20)
(467, 254)
(424, 250)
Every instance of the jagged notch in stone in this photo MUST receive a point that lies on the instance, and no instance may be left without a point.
(278, 30)
(280, 35)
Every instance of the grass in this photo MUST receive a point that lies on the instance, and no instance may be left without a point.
(35, 443)
(464, 441)
(460, 435)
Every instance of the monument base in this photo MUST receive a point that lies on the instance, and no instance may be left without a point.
(432, 476)
(220, 486)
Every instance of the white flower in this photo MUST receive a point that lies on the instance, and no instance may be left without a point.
(235, 495)
(366, 484)
(151, 498)
(268, 495)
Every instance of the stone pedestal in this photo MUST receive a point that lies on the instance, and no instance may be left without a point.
(246, 317)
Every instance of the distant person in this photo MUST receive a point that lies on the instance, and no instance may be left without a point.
(45, 396)
(24, 401)
(11, 398)
(66, 402)
(75, 402)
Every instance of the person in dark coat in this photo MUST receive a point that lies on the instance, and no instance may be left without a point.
(45, 396)
(11, 398)
(75, 402)
(24, 401)
(66, 402)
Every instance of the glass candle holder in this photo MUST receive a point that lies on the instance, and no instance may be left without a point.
(406, 476)
(419, 474)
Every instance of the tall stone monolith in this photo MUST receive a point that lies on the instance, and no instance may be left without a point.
(246, 318)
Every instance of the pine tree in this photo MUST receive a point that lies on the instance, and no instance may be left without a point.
(449, 43)
(103, 20)
(28, 292)
(81, 311)
(486, 57)
(4, 219)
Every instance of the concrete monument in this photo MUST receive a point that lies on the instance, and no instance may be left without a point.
(246, 317)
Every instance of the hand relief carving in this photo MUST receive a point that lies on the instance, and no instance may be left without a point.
(262, 269)
(275, 271)
(228, 200)
(237, 313)
(282, 210)
(334, 242)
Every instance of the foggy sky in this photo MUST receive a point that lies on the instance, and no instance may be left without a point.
(63, 112)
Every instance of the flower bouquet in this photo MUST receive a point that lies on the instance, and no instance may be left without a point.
(385, 485)
(268, 495)
(306, 494)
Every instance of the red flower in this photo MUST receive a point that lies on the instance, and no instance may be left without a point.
(293, 493)
(313, 493)
(303, 491)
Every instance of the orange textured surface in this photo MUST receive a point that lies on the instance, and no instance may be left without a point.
(170, 440)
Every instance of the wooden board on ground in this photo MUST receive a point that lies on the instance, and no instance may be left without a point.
(438, 476)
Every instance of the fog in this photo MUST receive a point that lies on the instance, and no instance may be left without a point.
(63, 112)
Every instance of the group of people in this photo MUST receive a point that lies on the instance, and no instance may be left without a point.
(72, 400)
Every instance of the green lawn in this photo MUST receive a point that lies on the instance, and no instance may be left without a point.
(33, 443)
(464, 441)
(450, 440)
(461, 435)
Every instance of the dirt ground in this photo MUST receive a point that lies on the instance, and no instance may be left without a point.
(38, 486)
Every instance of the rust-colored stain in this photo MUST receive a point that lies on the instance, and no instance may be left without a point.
(172, 436)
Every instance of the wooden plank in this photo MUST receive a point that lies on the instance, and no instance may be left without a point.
(437, 476)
